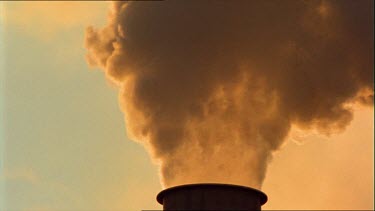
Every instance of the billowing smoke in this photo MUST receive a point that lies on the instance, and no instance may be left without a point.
(212, 88)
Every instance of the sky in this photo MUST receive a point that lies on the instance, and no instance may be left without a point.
(64, 144)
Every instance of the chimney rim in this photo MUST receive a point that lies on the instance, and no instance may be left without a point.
(263, 197)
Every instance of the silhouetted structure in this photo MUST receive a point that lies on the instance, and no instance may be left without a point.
(211, 197)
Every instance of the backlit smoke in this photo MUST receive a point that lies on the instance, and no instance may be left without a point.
(212, 88)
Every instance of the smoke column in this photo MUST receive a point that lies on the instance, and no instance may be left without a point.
(212, 88)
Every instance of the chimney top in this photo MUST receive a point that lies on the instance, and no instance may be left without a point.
(211, 196)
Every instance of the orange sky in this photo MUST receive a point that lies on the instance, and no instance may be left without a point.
(98, 165)
(326, 172)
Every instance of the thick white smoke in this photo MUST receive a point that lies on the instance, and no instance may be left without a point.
(212, 88)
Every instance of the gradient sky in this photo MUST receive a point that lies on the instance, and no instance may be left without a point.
(64, 145)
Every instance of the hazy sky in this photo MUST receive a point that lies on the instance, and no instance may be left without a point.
(63, 141)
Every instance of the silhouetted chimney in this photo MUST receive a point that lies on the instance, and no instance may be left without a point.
(211, 197)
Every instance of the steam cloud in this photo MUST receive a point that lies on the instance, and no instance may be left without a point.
(212, 88)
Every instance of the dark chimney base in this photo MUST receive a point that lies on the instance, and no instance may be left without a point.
(207, 196)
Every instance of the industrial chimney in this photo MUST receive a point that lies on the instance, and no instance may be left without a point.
(210, 196)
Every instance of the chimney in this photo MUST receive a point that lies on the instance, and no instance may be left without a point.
(210, 196)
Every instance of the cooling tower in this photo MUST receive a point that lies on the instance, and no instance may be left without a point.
(211, 197)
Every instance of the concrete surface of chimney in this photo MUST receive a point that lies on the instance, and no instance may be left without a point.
(211, 196)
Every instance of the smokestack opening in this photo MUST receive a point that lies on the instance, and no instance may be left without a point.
(210, 196)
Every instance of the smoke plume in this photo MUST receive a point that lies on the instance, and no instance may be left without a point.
(212, 88)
